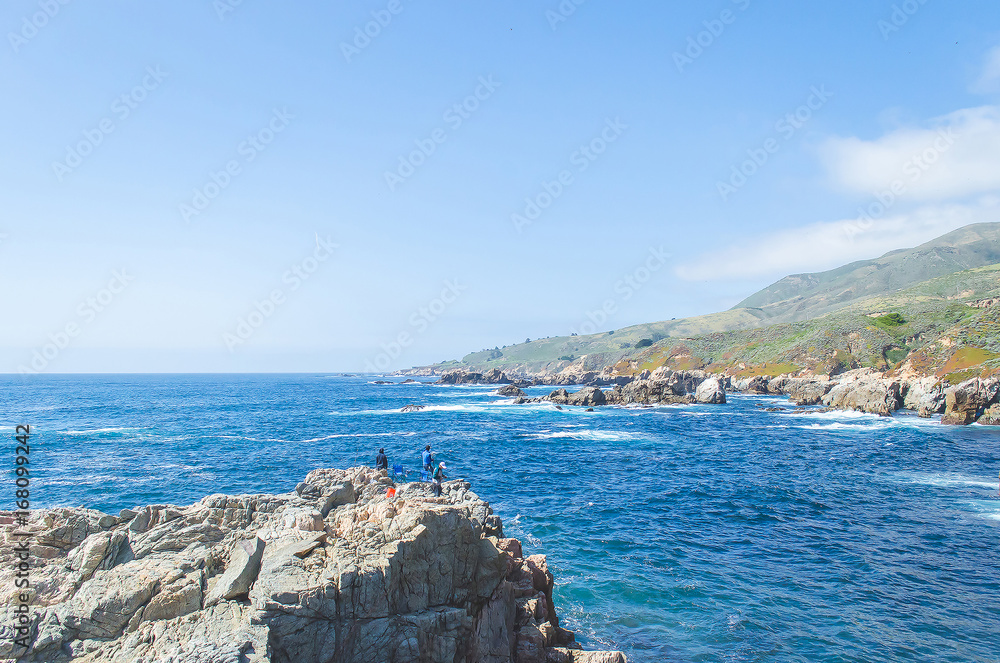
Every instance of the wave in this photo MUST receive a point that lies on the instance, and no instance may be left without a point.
(596, 435)
(399, 410)
(949, 480)
(95, 431)
(834, 415)
(452, 408)
(839, 425)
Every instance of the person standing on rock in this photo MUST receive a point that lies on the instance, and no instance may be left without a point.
(381, 461)
(439, 477)
(428, 460)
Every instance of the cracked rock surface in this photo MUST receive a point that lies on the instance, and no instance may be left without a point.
(336, 571)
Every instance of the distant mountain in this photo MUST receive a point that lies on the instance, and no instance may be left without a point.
(944, 296)
(808, 296)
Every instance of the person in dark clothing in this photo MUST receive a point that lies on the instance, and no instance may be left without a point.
(438, 478)
(427, 459)
(381, 461)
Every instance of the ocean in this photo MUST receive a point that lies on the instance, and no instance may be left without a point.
(684, 533)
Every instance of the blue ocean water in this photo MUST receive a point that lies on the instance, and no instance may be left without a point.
(683, 533)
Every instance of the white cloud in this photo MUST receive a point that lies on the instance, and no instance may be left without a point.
(957, 156)
(989, 80)
(918, 182)
(826, 245)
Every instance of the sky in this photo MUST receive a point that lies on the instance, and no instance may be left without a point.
(250, 186)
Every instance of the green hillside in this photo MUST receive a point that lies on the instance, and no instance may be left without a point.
(866, 318)
(807, 296)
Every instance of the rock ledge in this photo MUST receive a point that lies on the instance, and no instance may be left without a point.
(336, 571)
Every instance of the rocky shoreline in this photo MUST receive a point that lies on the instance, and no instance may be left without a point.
(976, 400)
(348, 568)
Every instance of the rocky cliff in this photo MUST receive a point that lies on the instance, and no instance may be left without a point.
(341, 570)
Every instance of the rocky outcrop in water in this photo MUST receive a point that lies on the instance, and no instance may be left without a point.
(924, 396)
(865, 390)
(511, 391)
(337, 571)
(661, 387)
(868, 394)
(492, 376)
(710, 391)
(460, 377)
(807, 391)
(586, 397)
(967, 402)
(647, 392)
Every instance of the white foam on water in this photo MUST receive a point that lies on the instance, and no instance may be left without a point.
(95, 430)
(836, 415)
(502, 401)
(596, 435)
(452, 408)
(854, 420)
(986, 509)
(838, 425)
(950, 480)
(398, 410)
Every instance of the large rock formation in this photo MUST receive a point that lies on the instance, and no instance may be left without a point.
(866, 394)
(511, 391)
(710, 391)
(657, 388)
(966, 402)
(492, 376)
(337, 571)
(807, 391)
(924, 395)
(588, 396)
(647, 392)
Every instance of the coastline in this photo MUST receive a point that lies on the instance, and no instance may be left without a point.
(976, 400)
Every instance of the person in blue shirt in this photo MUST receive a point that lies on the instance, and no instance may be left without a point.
(427, 459)
(382, 461)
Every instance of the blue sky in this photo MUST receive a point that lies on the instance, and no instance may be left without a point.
(213, 186)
